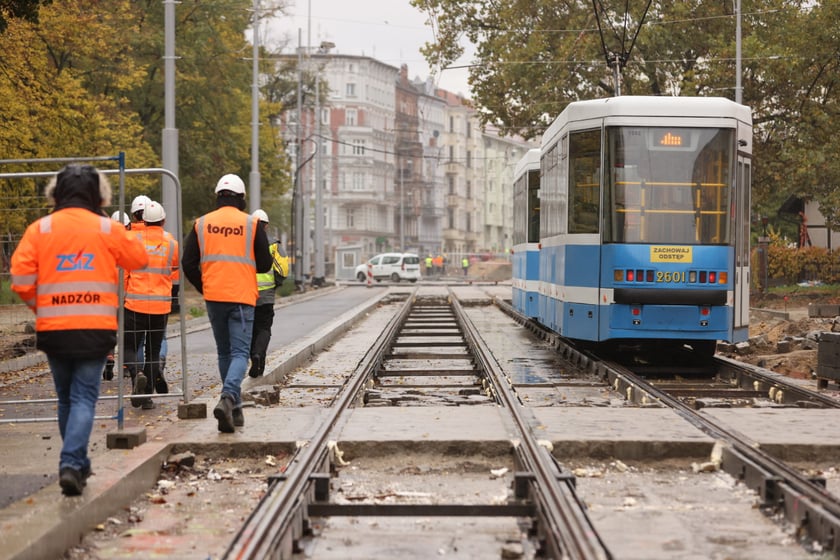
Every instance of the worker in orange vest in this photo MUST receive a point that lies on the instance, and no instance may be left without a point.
(148, 302)
(222, 255)
(65, 270)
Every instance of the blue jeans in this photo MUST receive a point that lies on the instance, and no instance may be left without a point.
(232, 325)
(77, 386)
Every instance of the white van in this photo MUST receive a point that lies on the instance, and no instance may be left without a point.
(391, 266)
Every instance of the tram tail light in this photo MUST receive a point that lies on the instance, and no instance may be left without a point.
(723, 277)
(705, 311)
(636, 311)
(712, 277)
(618, 275)
(649, 276)
(703, 277)
(631, 275)
(640, 276)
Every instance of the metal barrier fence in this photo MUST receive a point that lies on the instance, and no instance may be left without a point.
(17, 210)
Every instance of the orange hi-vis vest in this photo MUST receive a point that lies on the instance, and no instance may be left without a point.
(149, 289)
(228, 267)
(65, 269)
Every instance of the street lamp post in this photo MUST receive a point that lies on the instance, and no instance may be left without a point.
(402, 210)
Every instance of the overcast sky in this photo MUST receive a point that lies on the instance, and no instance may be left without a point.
(391, 31)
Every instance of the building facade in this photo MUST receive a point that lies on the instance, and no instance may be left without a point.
(404, 166)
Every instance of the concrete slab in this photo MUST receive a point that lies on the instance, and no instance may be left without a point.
(790, 434)
(475, 430)
(621, 433)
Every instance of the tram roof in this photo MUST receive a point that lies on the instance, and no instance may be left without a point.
(648, 105)
(531, 160)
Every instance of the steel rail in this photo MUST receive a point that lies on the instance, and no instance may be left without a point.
(279, 517)
(805, 503)
(566, 528)
(791, 392)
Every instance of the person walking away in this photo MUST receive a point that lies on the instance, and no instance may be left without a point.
(222, 254)
(428, 265)
(65, 270)
(108, 372)
(267, 283)
(148, 302)
(465, 264)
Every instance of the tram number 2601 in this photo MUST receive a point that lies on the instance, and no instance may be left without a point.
(673, 277)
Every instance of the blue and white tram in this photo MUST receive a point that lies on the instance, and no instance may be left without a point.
(526, 233)
(644, 210)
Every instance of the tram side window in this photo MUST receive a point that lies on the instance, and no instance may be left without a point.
(584, 181)
(533, 206)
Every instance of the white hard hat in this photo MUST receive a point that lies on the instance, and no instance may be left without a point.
(232, 183)
(139, 203)
(154, 212)
(260, 214)
(116, 216)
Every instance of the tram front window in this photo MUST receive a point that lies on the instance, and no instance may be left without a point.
(669, 185)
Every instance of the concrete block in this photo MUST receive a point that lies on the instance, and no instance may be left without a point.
(823, 310)
(128, 438)
(192, 411)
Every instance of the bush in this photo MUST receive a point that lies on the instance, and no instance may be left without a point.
(811, 264)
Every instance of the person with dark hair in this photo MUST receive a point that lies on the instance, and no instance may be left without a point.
(223, 252)
(65, 270)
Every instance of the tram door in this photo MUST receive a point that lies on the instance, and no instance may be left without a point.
(742, 244)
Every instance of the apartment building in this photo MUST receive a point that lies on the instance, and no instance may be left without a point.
(405, 166)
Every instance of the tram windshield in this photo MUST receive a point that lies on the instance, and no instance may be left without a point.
(669, 185)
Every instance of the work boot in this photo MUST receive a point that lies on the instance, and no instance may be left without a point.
(148, 404)
(161, 386)
(224, 414)
(71, 481)
(238, 417)
(108, 373)
(139, 389)
(255, 370)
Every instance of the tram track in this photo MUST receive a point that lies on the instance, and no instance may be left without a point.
(435, 332)
(801, 499)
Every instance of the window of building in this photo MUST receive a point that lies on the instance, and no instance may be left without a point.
(469, 222)
(325, 116)
(469, 159)
(469, 189)
(350, 117)
(450, 218)
(358, 147)
(469, 129)
(350, 90)
(451, 124)
(350, 218)
(358, 183)
(451, 180)
(451, 153)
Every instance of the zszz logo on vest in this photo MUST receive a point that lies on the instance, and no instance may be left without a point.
(79, 261)
(225, 230)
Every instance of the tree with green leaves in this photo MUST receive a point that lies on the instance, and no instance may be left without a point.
(533, 57)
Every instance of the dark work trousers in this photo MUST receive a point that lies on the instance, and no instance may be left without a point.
(153, 328)
(263, 319)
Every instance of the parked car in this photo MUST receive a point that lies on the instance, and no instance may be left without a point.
(391, 266)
